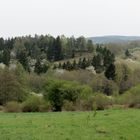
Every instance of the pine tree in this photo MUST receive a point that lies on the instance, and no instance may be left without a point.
(80, 63)
(108, 58)
(50, 53)
(127, 53)
(97, 63)
(54, 66)
(6, 56)
(74, 65)
(38, 67)
(45, 67)
(68, 66)
(84, 63)
(64, 65)
(73, 54)
(88, 62)
(58, 55)
(110, 72)
(23, 59)
(60, 66)
(98, 48)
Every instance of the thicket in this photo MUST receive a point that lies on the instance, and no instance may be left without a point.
(69, 91)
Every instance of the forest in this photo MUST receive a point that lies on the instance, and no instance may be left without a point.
(44, 73)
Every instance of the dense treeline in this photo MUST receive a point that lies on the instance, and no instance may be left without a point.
(33, 51)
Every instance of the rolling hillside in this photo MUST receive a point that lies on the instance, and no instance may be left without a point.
(114, 39)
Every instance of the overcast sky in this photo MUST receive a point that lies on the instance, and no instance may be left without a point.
(69, 17)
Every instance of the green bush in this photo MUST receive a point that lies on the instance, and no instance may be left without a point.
(68, 106)
(103, 85)
(102, 101)
(53, 94)
(110, 87)
(81, 105)
(12, 87)
(131, 98)
(12, 107)
(35, 104)
(1, 108)
(123, 77)
(57, 91)
(84, 105)
(45, 106)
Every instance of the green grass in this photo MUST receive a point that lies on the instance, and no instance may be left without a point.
(107, 125)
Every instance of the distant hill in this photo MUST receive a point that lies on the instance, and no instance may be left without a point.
(114, 39)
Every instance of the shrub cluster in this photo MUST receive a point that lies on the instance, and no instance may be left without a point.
(131, 98)
(13, 107)
(102, 101)
(32, 104)
(35, 104)
(56, 92)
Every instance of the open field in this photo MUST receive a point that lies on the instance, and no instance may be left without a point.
(106, 125)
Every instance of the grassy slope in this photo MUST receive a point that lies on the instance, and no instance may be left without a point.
(107, 125)
(131, 62)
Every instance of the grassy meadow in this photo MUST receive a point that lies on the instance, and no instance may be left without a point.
(119, 124)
